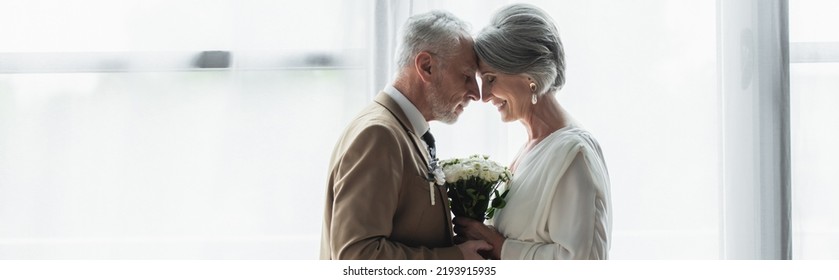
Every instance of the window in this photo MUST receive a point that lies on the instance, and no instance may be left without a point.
(117, 142)
(814, 82)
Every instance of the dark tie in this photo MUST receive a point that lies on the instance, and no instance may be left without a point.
(432, 163)
(432, 150)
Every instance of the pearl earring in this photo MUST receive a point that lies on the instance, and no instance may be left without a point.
(533, 89)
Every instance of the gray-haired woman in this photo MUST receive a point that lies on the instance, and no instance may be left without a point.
(559, 204)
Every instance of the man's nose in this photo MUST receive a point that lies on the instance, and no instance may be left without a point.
(486, 93)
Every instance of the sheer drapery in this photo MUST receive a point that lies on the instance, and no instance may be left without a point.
(754, 75)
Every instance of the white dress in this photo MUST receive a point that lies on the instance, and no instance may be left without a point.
(559, 206)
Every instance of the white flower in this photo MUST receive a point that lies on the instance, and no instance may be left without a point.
(439, 176)
(480, 167)
(472, 184)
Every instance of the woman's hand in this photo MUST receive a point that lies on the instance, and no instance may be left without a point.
(474, 230)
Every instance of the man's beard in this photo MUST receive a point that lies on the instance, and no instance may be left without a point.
(440, 111)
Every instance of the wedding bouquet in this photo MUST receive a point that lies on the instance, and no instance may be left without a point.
(472, 183)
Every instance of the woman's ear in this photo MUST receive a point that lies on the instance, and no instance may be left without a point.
(424, 62)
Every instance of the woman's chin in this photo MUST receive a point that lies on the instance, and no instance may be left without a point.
(506, 118)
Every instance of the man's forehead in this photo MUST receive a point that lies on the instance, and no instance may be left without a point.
(469, 61)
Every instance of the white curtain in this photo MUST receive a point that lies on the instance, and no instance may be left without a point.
(754, 75)
(388, 17)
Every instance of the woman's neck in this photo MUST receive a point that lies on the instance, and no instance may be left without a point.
(546, 117)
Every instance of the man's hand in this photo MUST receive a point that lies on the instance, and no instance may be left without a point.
(470, 249)
(470, 229)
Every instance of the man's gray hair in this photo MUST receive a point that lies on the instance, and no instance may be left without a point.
(522, 39)
(438, 32)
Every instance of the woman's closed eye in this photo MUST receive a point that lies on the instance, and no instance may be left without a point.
(489, 79)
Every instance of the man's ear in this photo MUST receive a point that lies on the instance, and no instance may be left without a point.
(423, 62)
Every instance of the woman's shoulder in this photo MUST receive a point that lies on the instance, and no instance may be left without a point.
(571, 135)
(572, 141)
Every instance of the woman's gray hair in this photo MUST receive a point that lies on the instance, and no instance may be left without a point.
(438, 32)
(522, 39)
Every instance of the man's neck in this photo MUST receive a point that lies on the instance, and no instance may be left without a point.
(414, 92)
